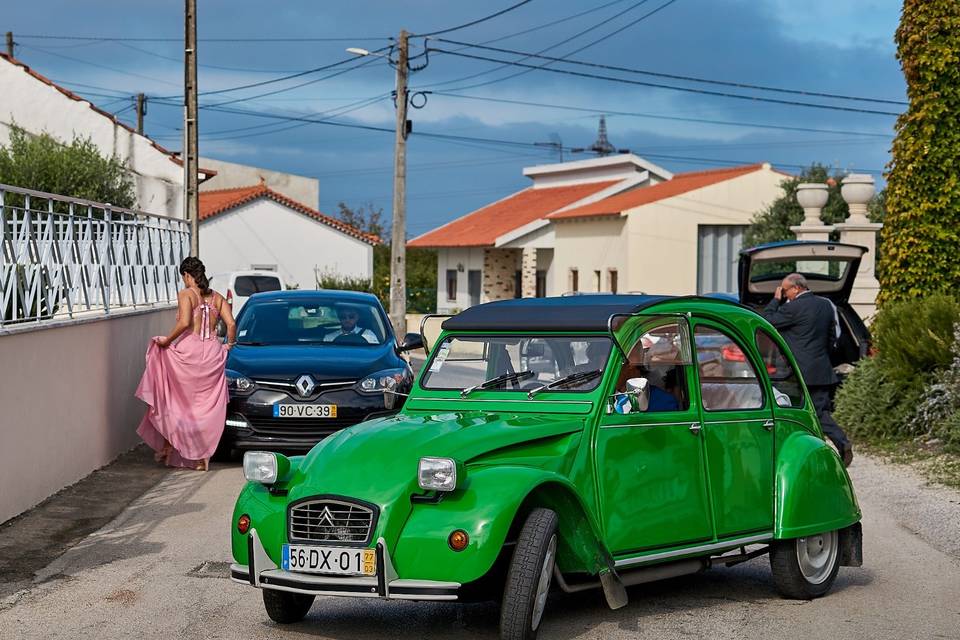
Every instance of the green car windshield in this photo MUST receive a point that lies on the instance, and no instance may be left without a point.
(465, 362)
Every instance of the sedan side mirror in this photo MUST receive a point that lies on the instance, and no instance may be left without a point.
(410, 342)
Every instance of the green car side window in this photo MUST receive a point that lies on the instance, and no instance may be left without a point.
(659, 357)
(728, 380)
(787, 390)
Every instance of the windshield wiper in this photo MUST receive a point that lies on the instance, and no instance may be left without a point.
(251, 343)
(573, 378)
(492, 382)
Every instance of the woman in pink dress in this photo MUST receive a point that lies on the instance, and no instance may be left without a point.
(184, 383)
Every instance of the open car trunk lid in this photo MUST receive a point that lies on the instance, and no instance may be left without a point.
(830, 269)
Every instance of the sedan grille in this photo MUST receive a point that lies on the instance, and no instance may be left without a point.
(331, 521)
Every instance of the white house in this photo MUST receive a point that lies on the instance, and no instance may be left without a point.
(615, 223)
(37, 105)
(258, 228)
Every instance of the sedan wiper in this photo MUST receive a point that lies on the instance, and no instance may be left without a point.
(573, 378)
(251, 343)
(492, 382)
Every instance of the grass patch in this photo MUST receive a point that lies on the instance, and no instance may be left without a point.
(926, 456)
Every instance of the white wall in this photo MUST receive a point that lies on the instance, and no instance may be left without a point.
(266, 232)
(662, 236)
(472, 259)
(589, 245)
(231, 175)
(56, 430)
(38, 107)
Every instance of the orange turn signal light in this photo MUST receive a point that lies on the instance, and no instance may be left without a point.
(243, 524)
(458, 540)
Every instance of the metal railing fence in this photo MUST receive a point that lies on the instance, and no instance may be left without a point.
(63, 256)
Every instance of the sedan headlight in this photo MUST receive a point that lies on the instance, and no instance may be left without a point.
(239, 384)
(437, 474)
(385, 380)
(264, 467)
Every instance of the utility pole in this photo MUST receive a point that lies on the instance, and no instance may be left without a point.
(398, 249)
(10, 43)
(190, 155)
(141, 111)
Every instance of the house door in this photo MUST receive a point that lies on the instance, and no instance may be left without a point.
(473, 286)
(737, 418)
(650, 464)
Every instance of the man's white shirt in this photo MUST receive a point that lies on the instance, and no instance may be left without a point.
(366, 334)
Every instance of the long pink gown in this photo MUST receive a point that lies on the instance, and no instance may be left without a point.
(185, 387)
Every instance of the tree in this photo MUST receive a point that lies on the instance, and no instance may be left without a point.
(77, 170)
(773, 223)
(921, 236)
(421, 265)
(366, 218)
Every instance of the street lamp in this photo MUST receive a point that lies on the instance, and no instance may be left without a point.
(398, 245)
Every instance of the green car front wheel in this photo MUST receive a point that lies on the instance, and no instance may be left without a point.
(529, 577)
(286, 608)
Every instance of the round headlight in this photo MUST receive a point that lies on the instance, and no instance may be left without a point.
(368, 384)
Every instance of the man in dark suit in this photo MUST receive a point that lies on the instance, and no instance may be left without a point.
(808, 323)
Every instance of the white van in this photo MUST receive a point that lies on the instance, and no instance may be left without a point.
(237, 286)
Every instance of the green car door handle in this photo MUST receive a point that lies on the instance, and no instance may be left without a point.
(695, 428)
(768, 425)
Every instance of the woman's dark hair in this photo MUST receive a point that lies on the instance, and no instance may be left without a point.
(195, 268)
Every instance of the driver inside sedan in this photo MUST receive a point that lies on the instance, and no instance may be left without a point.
(350, 329)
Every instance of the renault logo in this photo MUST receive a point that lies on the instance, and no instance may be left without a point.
(305, 385)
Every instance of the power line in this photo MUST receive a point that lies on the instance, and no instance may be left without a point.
(549, 48)
(477, 21)
(275, 39)
(554, 22)
(655, 85)
(739, 85)
(94, 64)
(634, 114)
(486, 141)
(205, 66)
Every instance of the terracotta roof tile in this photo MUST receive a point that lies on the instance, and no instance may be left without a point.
(482, 227)
(681, 183)
(213, 203)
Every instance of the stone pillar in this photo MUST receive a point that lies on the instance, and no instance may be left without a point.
(499, 273)
(858, 190)
(812, 196)
(528, 272)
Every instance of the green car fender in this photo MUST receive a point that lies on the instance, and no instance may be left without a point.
(491, 508)
(813, 491)
(267, 512)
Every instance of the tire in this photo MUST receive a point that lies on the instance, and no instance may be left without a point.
(805, 568)
(286, 608)
(529, 577)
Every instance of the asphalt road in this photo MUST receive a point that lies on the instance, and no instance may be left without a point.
(157, 571)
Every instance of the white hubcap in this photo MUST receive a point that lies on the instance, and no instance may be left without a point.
(817, 555)
(543, 585)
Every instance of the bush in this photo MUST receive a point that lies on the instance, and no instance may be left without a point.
(915, 337)
(874, 406)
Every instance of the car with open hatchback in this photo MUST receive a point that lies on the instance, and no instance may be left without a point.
(571, 443)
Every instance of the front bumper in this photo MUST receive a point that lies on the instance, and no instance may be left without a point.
(262, 572)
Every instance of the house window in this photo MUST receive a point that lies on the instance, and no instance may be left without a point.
(574, 281)
(612, 278)
(541, 283)
(451, 285)
(596, 280)
(718, 256)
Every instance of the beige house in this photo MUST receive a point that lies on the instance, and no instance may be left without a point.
(616, 224)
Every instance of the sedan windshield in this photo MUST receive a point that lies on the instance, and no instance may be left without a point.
(517, 363)
(315, 321)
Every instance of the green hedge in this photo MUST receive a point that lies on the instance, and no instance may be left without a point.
(921, 236)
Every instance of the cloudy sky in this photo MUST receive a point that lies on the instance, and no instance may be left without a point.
(489, 114)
